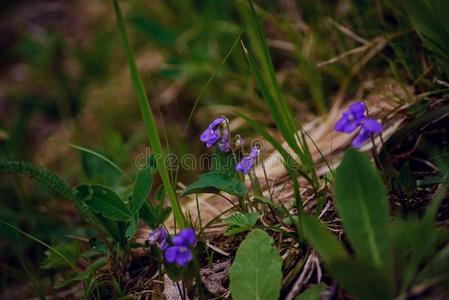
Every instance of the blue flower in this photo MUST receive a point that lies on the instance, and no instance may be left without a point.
(159, 237)
(212, 135)
(181, 250)
(224, 145)
(369, 128)
(248, 162)
(352, 118)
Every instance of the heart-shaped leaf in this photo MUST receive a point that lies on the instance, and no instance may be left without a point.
(257, 269)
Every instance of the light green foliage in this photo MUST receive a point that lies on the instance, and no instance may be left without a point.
(240, 222)
(257, 269)
(362, 204)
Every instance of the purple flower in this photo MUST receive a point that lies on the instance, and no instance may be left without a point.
(158, 237)
(224, 145)
(351, 118)
(211, 135)
(180, 255)
(180, 252)
(185, 238)
(369, 128)
(248, 162)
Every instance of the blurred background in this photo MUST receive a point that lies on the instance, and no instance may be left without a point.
(64, 78)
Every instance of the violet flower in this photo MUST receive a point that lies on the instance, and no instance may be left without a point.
(181, 250)
(248, 162)
(224, 145)
(159, 237)
(352, 118)
(211, 135)
(369, 128)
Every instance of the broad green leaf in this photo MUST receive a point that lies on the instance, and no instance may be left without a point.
(362, 204)
(142, 184)
(240, 222)
(214, 182)
(322, 240)
(106, 202)
(312, 293)
(53, 260)
(361, 279)
(256, 272)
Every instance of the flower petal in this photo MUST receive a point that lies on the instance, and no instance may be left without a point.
(171, 253)
(184, 257)
(373, 126)
(357, 108)
(216, 123)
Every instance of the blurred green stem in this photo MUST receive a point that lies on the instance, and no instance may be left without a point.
(148, 119)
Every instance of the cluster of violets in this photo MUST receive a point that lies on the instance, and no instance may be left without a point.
(355, 117)
(179, 249)
(218, 132)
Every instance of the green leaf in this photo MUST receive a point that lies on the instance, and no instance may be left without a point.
(142, 187)
(322, 240)
(106, 202)
(256, 272)
(240, 222)
(54, 260)
(312, 293)
(361, 279)
(214, 182)
(142, 184)
(223, 163)
(362, 204)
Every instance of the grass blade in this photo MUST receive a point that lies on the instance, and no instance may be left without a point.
(40, 242)
(148, 119)
(100, 156)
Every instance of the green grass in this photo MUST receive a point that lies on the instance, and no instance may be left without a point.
(148, 119)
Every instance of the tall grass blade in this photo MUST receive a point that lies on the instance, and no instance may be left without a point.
(148, 119)
(265, 76)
